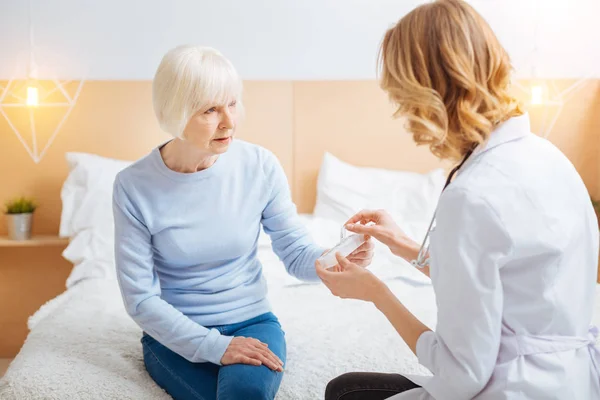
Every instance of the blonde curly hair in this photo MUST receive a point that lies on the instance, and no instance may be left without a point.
(449, 76)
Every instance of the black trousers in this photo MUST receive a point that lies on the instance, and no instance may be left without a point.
(367, 386)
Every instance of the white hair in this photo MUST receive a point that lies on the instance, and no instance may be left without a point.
(188, 79)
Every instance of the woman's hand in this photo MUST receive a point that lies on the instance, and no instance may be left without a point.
(242, 350)
(385, 230)
(351, 282)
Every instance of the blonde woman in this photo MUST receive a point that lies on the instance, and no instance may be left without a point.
(187, 222)
(513, 256)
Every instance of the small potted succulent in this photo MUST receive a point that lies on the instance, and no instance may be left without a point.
(19, 218)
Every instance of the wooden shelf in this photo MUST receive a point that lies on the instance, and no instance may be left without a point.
(35, 241)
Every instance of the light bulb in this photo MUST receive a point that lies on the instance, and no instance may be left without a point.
(537, 94)
(32, 96)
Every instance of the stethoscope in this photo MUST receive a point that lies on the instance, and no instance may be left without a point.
(422, 259)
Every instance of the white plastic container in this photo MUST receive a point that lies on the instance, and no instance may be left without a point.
(345, 247)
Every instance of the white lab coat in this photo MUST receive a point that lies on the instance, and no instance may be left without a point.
(514, 261)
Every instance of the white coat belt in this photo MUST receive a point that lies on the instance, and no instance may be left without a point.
(513, 346)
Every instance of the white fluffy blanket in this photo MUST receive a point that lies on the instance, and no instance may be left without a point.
(82, 345)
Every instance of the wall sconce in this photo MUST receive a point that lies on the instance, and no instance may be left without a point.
(34, 97)
(549, 97)
(537, 94)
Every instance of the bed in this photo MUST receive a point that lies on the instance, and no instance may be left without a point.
(82, 344)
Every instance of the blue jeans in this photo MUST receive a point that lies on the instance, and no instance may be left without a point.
(183, 379)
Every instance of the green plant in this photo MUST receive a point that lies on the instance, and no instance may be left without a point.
(596, 204)
(20, 205)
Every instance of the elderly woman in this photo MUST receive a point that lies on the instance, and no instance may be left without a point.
(187, 222)
(513, 256)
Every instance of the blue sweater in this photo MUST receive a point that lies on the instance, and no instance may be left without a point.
(186, 244)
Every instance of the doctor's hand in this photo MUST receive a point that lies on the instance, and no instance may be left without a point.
(385, 230)
(350, 281)
(363, 255)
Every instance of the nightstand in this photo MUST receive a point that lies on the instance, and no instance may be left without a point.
(35, 241)
(31, 273)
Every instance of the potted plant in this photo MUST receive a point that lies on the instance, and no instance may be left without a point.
(19, 217)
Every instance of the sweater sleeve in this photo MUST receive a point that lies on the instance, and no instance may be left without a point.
(290, 239)
(141, 292)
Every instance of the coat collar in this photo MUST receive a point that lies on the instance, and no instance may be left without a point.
(512, 129)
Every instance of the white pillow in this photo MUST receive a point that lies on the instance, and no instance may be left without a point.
(87, 216)
(411, 198)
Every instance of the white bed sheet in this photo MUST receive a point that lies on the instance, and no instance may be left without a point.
(82, 345)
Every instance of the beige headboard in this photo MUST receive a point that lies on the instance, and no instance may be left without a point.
(351, 120)
(298, 121)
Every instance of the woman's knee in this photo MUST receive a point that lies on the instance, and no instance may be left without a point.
(338, 386)
(248, 382)
(367, 385)
(254, 390)
(177, 376)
